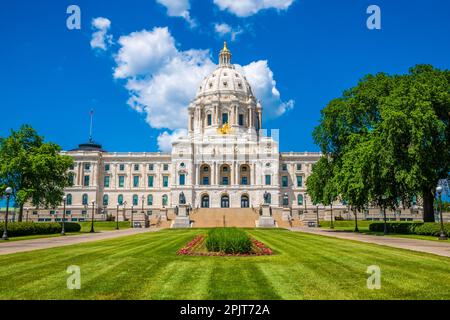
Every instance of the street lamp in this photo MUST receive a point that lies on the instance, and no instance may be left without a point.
(442, 235)
(63, 229)
(142, 198)
(124, 211)
(26, 218)
(131, 222)
(92, 221)
(117, 216)
(332, 219)
(317, 216)
(8, 192)
(385, 231)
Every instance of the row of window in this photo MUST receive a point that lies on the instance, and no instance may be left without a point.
(106, 200)
(298, 167)
(136, 167)
(224, 119)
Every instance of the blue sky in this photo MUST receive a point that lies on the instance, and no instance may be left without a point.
(51, 76)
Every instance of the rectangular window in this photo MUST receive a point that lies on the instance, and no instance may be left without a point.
(135, 181)
(151, 167)
(107, 167)
(121, 181)
(86, 181)
(150, 181)
(209, 119)
(205, 181)
(268, 180)
(69, 212)
(241, 119)
(87, 166)
(165, 181)
(106, 181)
(71, 179)
(225, 181)
(299, 166)
(121, 167)
(136, 167)
(52, 211)
(72, 167)
(166, 167)
(284, 167)
(244, 181)
(182, 179)
(299, 181)
(284, 181)
(83, 212)
(224, 118)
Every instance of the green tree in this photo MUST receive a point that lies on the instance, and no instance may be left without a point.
(407, 117)
(35, 170)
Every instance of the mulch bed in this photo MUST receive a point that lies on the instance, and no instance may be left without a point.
(196, 247)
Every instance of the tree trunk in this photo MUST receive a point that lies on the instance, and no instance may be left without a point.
(20, 213)
(428, 208)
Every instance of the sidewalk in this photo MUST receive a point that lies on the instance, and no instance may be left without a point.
(427, 246)
(52, 242)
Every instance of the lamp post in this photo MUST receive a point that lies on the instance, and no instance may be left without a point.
(63, 229)
(117, 216)
(26, 217)
(332, 222)
(8, 192)
(92, 221)
(131, 221)
(442, 235)
(385, 231)
(317, 216)
(124, 211)
(142, 198)
(306, 209)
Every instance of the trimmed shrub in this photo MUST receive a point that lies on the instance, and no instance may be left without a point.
(228, 240)
(17, 229)
(427, 228)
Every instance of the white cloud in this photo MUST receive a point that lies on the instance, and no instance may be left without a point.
(264, 88)
(223, 29)
(162, 80)
(245, 8)
(178, 8)
(100, 38)
(165, 139)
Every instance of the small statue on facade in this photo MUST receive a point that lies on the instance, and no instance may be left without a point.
(266, 197)
(182, 198)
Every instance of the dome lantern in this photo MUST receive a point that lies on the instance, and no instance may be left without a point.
(224, 56)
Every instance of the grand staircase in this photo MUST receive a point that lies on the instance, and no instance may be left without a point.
(232, 217)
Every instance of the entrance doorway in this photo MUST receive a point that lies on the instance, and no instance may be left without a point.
(205, 201)
(225, 201)
(245, 203)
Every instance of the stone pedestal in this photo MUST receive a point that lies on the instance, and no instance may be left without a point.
(266, 220)
(163, 214)
(182, 220)
(286, 214)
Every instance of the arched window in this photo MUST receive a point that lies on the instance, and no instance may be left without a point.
(85, 199)
(205, 175)
(245, 203)
(164, 200)
(105, 200)
(300, 199)
(149, 200)
(69, 199)
(205, 201)
(135, 200)
(225, 175)
(120, 199)
(244, 174)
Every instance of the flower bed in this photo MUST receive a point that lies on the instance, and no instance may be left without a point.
(197, 247)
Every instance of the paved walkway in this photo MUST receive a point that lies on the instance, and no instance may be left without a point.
(52, 242)
(428, 246)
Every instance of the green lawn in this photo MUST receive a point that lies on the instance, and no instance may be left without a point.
(145, 266)
(363, 227)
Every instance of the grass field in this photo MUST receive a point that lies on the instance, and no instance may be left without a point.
(146, 266)
(363, 227)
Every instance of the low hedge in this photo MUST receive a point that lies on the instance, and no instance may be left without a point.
(17, 229)
(421, 228)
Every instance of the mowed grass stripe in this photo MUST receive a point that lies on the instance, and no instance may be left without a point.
(146, 266)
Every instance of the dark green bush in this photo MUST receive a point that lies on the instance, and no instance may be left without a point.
(17, 229)
(427, 228)
(228, 240)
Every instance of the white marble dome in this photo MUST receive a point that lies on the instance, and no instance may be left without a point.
(225, 79)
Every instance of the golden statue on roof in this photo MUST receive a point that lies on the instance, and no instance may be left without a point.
(225, 129)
